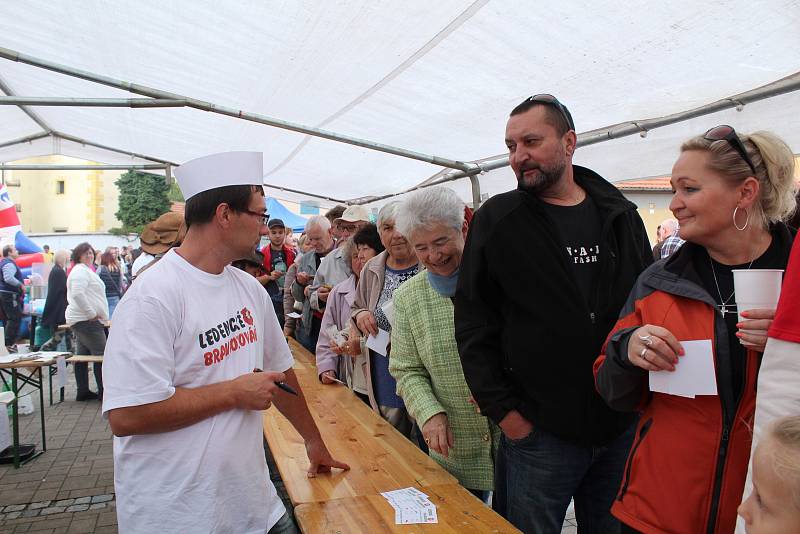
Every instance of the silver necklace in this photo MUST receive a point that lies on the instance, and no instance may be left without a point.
(723, 307)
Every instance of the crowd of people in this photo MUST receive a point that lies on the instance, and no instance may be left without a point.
(517, 341)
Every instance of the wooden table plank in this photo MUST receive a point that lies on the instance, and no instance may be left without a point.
(458, 512)
(381, 459)
(85, 358)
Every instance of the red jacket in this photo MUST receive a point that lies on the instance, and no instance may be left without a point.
(288, 253)
(686, 469)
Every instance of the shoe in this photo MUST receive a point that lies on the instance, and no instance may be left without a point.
(89, 395)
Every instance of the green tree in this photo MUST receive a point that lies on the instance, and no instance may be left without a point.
(142, 198)
(174, 193)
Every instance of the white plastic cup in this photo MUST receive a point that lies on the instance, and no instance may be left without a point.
(23, 348)
(756, 288)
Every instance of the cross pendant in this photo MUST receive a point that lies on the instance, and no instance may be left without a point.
(724, 310)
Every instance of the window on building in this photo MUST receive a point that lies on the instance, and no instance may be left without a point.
(19, 207)
(59, 187)
(60, 229)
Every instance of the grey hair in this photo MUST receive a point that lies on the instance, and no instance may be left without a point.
(319, 221)
(671, 225)
(347, 247)
(429, 206)
(388, 213)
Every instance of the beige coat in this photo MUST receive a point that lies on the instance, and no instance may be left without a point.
(368, 291)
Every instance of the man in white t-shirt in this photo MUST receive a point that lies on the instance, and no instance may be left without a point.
(180, 393)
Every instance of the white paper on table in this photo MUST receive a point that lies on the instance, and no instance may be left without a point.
(8, 358)
(61, 366)
(411, 506)
(694, 374)
(380, 342)
(294, 315)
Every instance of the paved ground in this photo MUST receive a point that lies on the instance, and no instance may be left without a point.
(70, 488)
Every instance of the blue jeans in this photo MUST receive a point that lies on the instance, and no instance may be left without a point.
(112, 304)
(543, 472)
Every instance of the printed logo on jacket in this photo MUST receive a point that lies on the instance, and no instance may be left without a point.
(222, 340)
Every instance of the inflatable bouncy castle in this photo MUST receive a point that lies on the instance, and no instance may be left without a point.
(11, 234)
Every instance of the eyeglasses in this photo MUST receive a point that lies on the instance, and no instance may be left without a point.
(723, 132)
(263, 216)
(550, 100)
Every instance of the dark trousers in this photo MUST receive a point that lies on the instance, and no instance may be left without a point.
(279, 312)
(13, 312)
(543, 472)
(91, 339)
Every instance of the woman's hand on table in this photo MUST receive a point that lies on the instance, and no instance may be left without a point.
(754, 327)
(654, 348)
(328, 377)
(320, 459)
(438, 435)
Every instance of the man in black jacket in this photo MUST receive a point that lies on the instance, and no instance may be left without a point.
(546, 270)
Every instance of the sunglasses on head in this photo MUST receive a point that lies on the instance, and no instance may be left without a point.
(550, 100)
(723, 132)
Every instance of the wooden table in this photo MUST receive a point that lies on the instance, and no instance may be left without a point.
(19, 380)
(381, 459)
(87, 358)
(457, 509)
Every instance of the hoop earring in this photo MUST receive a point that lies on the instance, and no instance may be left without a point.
(743, 228)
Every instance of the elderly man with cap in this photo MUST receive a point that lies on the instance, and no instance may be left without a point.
(182, 394)
(333, 268)
(157, 238)
(277, 259)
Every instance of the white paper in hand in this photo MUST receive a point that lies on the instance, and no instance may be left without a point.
(380, 342)
(694, 374)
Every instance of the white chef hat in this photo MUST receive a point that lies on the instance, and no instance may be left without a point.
(220, 170)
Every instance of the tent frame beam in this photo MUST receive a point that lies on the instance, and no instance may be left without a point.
(22, 101)
(13, 55)
(56, 167)
(779, 87)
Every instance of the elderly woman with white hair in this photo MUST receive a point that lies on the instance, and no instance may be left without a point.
(425, 358)
(380, 277)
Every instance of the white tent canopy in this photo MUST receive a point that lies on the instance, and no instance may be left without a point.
(437, 78)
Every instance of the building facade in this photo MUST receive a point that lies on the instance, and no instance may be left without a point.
(61, 201)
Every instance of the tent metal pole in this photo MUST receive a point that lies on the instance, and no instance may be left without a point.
(12, 167)
(476, 191)
(231, 112)
(290, 190)
(26, 139)
(86, 142)
(624, 129)
(30, 113)
(91, 102)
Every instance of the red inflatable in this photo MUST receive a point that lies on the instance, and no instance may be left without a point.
(26, 260)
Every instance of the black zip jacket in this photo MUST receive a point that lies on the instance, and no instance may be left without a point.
(526, 335)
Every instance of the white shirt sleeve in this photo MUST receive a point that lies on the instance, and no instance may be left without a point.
(139, 362)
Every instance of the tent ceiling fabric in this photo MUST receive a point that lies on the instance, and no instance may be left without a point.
(435, 77)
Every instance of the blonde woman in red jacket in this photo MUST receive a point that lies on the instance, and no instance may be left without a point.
(687, 466)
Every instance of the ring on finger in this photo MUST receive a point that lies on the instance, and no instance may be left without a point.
(646, 339)
(642, 354)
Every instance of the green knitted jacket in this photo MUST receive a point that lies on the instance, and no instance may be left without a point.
(424, 361)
